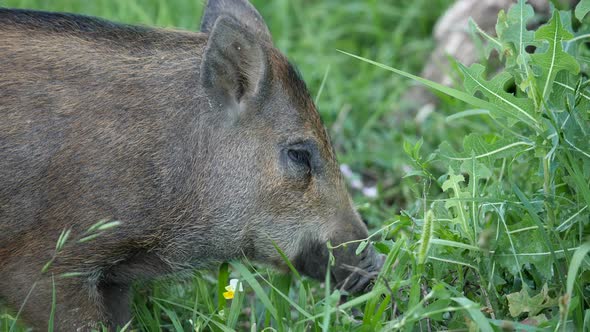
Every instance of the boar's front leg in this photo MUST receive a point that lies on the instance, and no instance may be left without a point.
(82, 303)
(75, 307)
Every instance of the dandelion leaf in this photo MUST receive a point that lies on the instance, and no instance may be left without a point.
(455, 183)
(522, 302)
(530, 250)
(485, 149)
(554, 59)
(477, 171)
(513, 33)
(507, 105)
(582, 9)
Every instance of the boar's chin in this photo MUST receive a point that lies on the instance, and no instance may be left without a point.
(313, 260)
(352, 273)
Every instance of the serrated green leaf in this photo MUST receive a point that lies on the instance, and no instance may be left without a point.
(506, 104)
(453, 182)
(582, 9)
(546, 241)
(515, 26)
(476, 147)
(477, 171)
(492, 43)
(522, 302)
(554, 59)
(513, 34)
(515, 37)
(456, 204)
(566, 20)
(524, 248)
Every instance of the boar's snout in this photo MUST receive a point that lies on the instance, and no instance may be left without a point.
(351, 272)
(356, 273)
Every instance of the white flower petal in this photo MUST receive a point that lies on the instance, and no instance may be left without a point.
(356, 183)
(370, 192)
(234, 283)
(346, 171)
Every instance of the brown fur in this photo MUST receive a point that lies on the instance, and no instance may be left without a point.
(180, 136)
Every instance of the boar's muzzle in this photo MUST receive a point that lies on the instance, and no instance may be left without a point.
(351, 272)
(358, 278)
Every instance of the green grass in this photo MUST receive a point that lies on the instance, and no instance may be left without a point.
(506, 203)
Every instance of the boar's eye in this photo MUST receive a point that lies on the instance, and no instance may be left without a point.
(300, 157)
(300, 160)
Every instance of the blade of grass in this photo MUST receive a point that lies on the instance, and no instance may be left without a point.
(205, 317)
(327, 307)
(222, 282)
(51, 322)
(286, 260)
(235, 310)
(260, 293)
(173, 317)
(579, 255)
(20, 310)
(472, 309)
(463, 96)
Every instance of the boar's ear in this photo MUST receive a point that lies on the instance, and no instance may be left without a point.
(234, 67)
(240, 10)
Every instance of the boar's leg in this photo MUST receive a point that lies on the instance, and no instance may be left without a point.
(76, 308)
(82, 303)
(116, 299)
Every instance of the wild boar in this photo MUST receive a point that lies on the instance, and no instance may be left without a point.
(205, 146)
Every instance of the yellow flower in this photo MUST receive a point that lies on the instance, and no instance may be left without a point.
(234, 285)
(229, 294)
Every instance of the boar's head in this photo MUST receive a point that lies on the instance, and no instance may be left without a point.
(276, 174)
